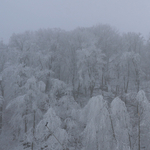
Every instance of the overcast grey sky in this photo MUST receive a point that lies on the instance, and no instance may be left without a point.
(126, 15)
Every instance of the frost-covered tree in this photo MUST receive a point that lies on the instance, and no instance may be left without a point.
(121, 124)
(132, 42)
(64, 109)
(28, 109)
(126, 66)
(138, 109)
(21, 42)
(98, 133)
(90, 63)
(49, 133)
(143, 121)
(127, 72)
(109, 41)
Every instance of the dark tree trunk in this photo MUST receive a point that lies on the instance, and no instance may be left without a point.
(33, 129)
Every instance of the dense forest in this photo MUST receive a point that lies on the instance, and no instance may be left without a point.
(85, 89)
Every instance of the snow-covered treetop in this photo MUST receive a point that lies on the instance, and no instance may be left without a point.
(58, 88)
(142, 104)
(117, 105)
(17, 102)
(126, 56)
(91, 54)
(93, 108)
(42, 74)
(31, 83)
(53, 123)
(68, 102)
(119, 111)
(49, 131)
(65, 106)
(141, 97)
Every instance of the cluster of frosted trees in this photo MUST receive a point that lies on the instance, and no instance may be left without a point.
(86, 58)
(73, 90)
(65, 125)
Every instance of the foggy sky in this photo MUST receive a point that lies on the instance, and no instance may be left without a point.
(17, 16)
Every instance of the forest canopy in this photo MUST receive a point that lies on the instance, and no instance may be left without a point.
(82, 89)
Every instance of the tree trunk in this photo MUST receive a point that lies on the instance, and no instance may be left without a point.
(25, 126)
(1, 120)
(33, 129)
(139, 130)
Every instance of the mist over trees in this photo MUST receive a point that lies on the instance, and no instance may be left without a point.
(86, 89)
